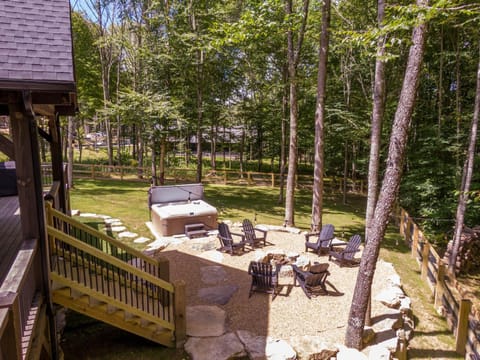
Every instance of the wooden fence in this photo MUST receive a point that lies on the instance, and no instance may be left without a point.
(226, 177)
(462, 319)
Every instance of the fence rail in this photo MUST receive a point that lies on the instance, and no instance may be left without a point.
(226, 177)
(458, 311)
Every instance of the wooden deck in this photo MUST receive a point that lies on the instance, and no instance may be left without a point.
(10, 233)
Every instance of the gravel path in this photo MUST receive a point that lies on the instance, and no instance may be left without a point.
(291, 313)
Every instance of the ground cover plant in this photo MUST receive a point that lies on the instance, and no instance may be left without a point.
(128, 202)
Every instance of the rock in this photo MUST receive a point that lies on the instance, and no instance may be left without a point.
(116, 223)
(312, 347)
(368, 335)
(203, 244)
(350, 354)
(224, 347)
(390, 319)
(406, 305)
(158, 244)
(394, 280)
(379, 353)
(75, 212)
(220, 295)
(127, 234)
(205, 321)
(118, 228)
(213, 274)
(141, 240)
(110, 220)
(390, 297)
(90, 215)
(261, 347)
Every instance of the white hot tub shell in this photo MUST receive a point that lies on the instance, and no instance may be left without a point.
(184, 206)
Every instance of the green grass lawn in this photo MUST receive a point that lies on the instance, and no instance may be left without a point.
(128, 202)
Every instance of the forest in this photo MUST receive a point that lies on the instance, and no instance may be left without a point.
(284, 83)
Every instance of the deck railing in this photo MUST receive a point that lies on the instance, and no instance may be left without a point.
(22, 306)
(107, 244)
(112, 272)
(463, 320)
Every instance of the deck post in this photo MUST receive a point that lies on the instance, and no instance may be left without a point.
(57, 161)
(180, 313)
(462, 326)
(164, 269)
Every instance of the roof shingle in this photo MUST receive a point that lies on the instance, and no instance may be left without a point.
(36, 41)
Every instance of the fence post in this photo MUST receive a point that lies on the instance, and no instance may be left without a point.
(402, 223)
(462, 326)
(273, 179)
(93, 172)
(121, 172)
(249, 177)
(180, 316)
(224, 177)
(425, 253)
(440, 284)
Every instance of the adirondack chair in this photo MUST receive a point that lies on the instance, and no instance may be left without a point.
(250, 232)
(264, 277)
(226, 239)
(346, 256)
(324, 239)
(313, 281)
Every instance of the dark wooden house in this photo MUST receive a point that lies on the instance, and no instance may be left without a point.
(46, 257)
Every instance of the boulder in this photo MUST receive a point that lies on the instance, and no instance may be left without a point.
(345, 353)
(220, 295)
(261, 347)
(205, 321)
(213, 274)
(224, 347)
(312, 347)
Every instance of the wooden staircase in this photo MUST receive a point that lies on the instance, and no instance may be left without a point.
(105, 279)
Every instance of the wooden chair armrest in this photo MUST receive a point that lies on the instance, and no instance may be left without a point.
(261, 230)
(237, 234)
(309, 235)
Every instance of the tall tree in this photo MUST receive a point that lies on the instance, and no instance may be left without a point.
(293, 57)
(319, 162)
(467, 178)
(377, 117)
(391, 182)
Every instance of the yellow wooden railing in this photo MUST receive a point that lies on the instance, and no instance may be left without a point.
(104, 268)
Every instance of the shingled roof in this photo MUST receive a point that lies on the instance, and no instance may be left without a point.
(36, 45)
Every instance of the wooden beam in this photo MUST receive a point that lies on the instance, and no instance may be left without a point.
(44, 134)
(6, 146)
(57, 160)
(32, 218)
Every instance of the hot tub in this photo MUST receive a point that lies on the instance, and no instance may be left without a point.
(173, 207)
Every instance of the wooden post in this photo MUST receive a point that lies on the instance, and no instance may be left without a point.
(249, 178)
(121, 172)
(32, 214)
(402, 223)
(401, 353)
(12, 334)
(413, 236)
(225, 177)
(180, 315)
(425, 253)
(93, 171)
(439, 288)
(164, 269)
(57, 160)
(461, 332)
(273, 180)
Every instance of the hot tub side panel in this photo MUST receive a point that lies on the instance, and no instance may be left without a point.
(176, 225)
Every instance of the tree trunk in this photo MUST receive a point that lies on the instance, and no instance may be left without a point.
(154, 180)
(319, 162)
(283, 144)
(345, 173)
(377, 119)
(163, 153)
(376, 134)
(390, 185)
(468, 171)
(293, 57)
